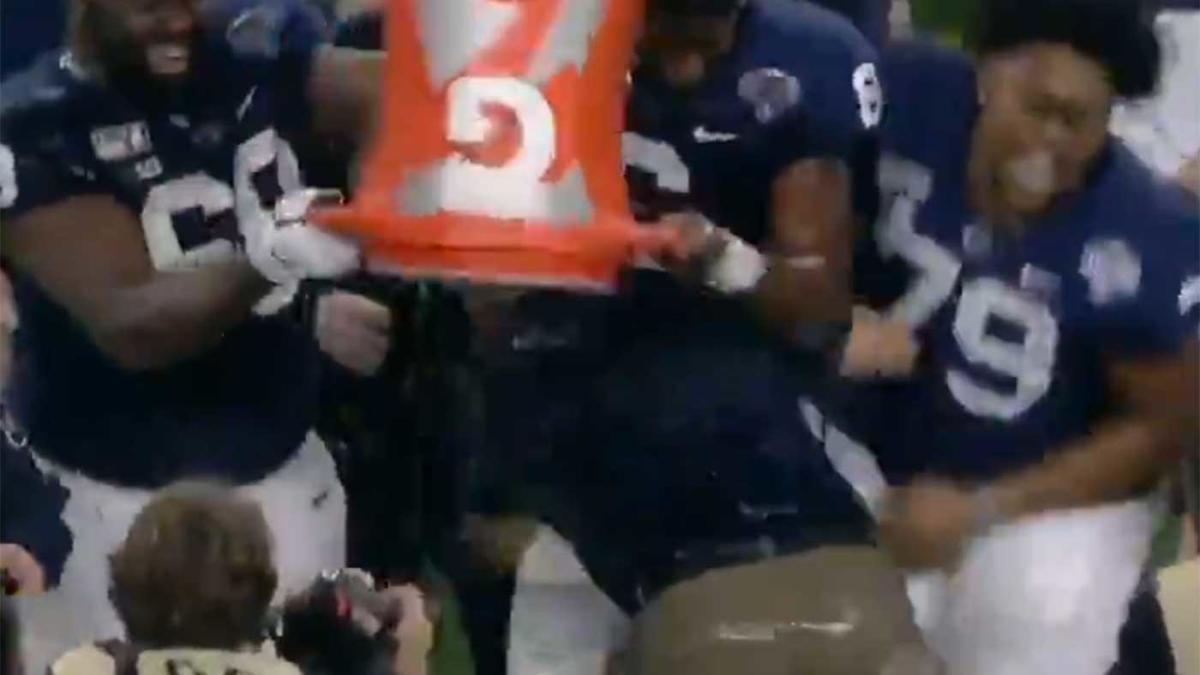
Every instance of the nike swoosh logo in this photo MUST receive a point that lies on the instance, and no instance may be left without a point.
(703, 135)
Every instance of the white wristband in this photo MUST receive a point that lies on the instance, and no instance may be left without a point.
(738, 269)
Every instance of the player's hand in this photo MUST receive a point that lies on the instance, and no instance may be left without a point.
(414, 633)
(354, 331)
(878, 347)
(927, 524)
(22, 568)
(1189, 175)
(697, 243)
(499, 542)
(291, 249)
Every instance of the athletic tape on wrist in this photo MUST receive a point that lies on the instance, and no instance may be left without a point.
(738, 269)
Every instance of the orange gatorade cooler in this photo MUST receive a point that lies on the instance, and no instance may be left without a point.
(498, 157)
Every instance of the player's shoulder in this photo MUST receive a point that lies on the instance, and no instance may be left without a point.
(825, 58)
(817, 45)
(1134, 197)
(931, 97)
(1157, 218)
(803, 26)
(40, 100)
(246, 32)
(918, 65)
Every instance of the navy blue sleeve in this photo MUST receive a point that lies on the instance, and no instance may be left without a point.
(37, 164)
(1149, 304)
(27, 181)
(848, 103)
(841, 106)
(278, 40)
(31, 510)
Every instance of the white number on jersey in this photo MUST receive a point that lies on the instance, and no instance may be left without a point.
(906, 186)
(167, 246)
(167, 201)
(8, 177)
(1030, 361)
(870, 95)
(658, 159)
(1189, 295)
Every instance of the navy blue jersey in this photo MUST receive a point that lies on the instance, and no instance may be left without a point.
(1018, 330)
(191, 167)
(669, 429)
(31, 508)
(675, 419)
(800, 83)
(29, 29)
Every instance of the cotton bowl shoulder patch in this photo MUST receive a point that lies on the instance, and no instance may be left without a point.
(771, 91)
(869, 91)
(1112, 269)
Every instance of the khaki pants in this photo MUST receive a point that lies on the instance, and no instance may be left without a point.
(829, 611)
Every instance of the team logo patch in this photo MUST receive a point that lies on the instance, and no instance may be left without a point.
(1113, 271)
(122, 141)
(771, 91)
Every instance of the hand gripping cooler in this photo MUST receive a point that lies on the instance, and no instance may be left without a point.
(498, 157)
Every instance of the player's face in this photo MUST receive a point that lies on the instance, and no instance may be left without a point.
(681, 48)
(1044, 121)
(150, 37)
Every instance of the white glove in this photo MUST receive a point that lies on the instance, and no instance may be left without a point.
(290, 248)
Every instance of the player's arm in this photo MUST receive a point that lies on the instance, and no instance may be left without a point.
(802, 278)
(1152, 364)
(807, 282)
(344, 86)
(1155, 426)
(927, 523)
(88, 254)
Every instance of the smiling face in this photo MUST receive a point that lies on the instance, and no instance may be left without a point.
(1044, 121)
(152, 39)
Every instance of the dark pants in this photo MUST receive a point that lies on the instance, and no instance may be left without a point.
(1145, 645)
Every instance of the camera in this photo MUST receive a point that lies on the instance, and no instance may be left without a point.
(340, 625)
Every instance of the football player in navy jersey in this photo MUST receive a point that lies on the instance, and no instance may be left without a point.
(696, 486)
(151, 203)
(756, 116)
(1050, 281)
